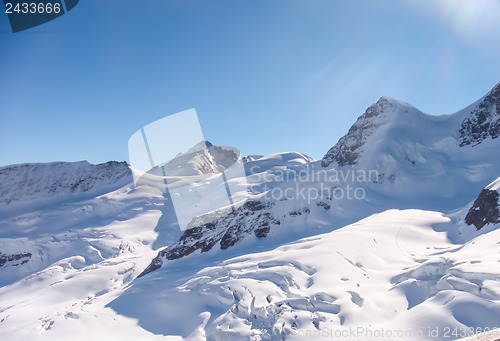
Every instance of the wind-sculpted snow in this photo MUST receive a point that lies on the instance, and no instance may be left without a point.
(61, 267)
(87, 230)
(391, 271)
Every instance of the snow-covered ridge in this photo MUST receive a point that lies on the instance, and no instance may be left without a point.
(494, 186)
(203, 158)
(378, 126)
(422, 154)
(347, 151)
(42, 183)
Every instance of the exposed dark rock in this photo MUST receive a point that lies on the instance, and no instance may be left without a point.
(203, 158)
(483, 122)
(262, 231)
(15, 259)
(252, 217)
(485, 210)
(324, 205)
(222, 156)
(299, 212)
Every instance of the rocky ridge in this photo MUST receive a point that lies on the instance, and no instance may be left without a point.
(484, 120)
(485, 209)
(348, 149)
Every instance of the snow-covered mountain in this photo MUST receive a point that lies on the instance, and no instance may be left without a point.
(394, 231)
(39, 184)
(388, 124)
(426, 155)
(434, 170)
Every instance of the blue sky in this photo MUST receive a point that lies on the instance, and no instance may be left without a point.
(265, 76)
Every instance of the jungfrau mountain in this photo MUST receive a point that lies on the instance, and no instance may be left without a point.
(395, 229)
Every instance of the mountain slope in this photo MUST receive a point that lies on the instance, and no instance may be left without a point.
(40, 184)
(390, 271)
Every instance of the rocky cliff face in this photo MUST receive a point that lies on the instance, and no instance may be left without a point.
(202, 159)
(484, 121)
(485, 209)
(348, 149)
(253, 217)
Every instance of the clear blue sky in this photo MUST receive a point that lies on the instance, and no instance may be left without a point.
(265, 76)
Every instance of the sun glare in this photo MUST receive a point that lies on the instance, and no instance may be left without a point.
(469, 18)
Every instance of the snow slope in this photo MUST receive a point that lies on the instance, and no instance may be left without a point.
(391, 271)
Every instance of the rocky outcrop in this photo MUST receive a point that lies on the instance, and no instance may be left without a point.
(14, 259)
(223, 156)
(348, 149)
(252, 217)
(485, 209)
(202, 159)
(484, 121)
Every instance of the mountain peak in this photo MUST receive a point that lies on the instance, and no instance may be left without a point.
(348, 148)
(494, 186)
(386, 99)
